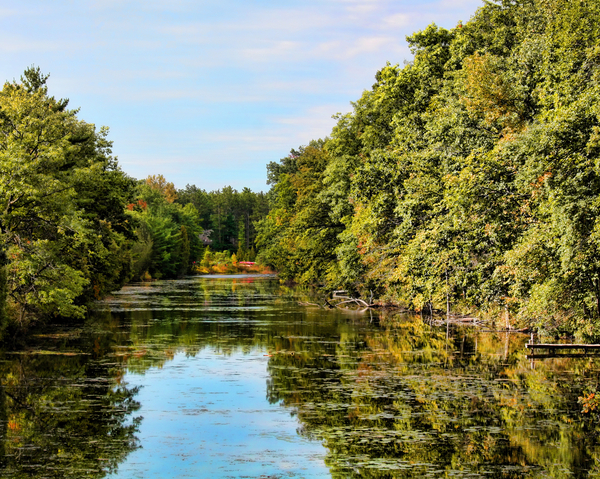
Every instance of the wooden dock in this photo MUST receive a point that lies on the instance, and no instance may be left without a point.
(571, 350)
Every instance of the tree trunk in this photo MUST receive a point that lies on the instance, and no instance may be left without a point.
(3, 293)
(447, 308)
(247, 231)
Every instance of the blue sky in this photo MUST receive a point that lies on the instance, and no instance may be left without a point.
(208, 92)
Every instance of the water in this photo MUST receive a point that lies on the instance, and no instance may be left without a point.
(230, 377)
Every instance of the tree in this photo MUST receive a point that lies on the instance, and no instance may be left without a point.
(470, 173)
(160, 184)
(58, 238)
(299, 236)
(228, 214)
(168, 233)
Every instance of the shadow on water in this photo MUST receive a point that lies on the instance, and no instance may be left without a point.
(387, 396)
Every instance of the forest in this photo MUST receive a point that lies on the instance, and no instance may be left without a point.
(75, 227)
(470, 174)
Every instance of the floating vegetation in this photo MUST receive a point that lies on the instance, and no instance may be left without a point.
(391, 398)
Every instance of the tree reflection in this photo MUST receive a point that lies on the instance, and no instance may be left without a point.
(395, 399)
(404, 403)
(389, 399)
(3, 427)
(63, 416)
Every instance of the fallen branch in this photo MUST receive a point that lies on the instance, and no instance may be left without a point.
(328, 304)
(339, 293)
(354, 300)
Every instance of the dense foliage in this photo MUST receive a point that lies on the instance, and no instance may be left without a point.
(228, 217)
(180, 230)
(74, 227)
(471, 171)
(63, 226)
(168, 234)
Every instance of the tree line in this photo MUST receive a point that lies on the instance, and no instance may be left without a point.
(176, 229)
(74, 226)
(470, 173)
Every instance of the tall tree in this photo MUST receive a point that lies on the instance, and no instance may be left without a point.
(59, 237)
(468, 174)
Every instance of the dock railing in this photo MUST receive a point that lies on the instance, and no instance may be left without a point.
(572, 350)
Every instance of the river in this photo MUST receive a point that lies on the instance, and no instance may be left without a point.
(230, 377)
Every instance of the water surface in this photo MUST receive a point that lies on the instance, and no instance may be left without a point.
(231, 377)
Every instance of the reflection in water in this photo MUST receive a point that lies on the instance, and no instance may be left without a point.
(63, 416)
(397, 404)
(3, 428)
(386, 396)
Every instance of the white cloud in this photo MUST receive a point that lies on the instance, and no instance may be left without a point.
(398, 20)
(362, 8)
(369, 45)
(456, 4)
(20, 44)
(275, 51)
(315, 122)
(10, 12)
(195, 87)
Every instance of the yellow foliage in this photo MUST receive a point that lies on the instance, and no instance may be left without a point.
(158, 182)
(490, 95)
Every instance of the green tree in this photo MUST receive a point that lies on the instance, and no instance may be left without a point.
(468, 174)
(62, 241)
(299, 236)
(230, 216)
(168, 233)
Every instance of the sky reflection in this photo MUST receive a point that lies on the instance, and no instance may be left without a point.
(208, 416)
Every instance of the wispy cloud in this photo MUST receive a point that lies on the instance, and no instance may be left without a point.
(24, 45)
(397, 20)
(202, 89)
